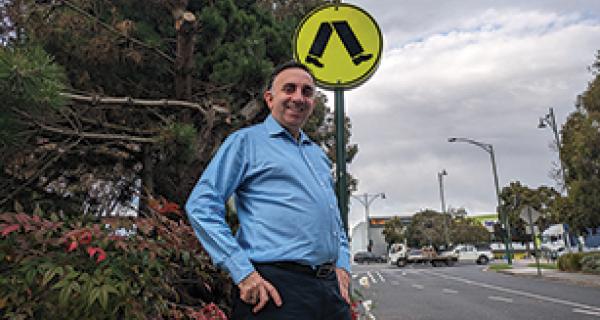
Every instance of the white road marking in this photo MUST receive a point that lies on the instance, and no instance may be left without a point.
(503, 299)
(588, 312)
(371, 277)
(395, 283)
(418, 286)
(517, 292)
(380, 277)
(449, 291)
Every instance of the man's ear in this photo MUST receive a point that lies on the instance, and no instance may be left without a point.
(268, 96)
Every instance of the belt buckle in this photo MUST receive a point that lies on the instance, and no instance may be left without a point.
(324, 270)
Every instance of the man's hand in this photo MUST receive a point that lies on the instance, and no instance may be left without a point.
(344, 281)
(255, 290)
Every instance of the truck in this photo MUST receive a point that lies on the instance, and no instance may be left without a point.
(556, 240)
(400, 255)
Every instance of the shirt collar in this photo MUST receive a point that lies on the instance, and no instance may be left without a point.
(274, 129)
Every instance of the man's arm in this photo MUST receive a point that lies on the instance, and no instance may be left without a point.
(206, 207)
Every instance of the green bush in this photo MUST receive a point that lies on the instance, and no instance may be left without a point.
(570, 261)
(55, 269)
(591, 263)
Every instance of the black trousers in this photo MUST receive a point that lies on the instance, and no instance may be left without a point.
(304, 297)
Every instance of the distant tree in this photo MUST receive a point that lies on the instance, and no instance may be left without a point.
(468, 230)
(394, 231)
(581, 157)
(516, 196)
(426, 228)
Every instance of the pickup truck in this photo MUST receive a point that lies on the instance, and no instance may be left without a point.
(470, 253)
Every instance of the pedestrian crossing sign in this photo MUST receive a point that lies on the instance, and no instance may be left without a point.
(340, 43)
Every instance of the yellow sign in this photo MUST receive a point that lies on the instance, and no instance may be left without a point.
(340, 43)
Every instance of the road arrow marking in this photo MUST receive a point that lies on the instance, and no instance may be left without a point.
(591, 313)
(503, 299)
(449, 291)
(417, 286)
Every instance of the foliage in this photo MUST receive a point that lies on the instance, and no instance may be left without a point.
(570, 261)
(515, 197)
(66, 268)
(591, 263)
(394, 231)
(468, 230)
(68, 157)
(427, 228)
(580, 154)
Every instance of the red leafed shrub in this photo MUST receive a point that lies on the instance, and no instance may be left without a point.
(77, 270)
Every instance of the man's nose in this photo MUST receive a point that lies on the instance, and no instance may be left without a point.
(297, 95)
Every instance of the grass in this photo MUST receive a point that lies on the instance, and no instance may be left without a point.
(500, 266)
(552, 266)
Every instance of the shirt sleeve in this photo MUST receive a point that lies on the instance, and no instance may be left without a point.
(206, 207)
(343, 260)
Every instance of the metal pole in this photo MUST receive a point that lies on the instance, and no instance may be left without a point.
(535, 248)
(440, 178)
(557, 141)
(504, 214)
(367, 204)
(340, 158)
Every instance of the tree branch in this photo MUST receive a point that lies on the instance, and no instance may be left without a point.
(164, 103)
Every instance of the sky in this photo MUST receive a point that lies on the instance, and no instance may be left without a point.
(484, 70)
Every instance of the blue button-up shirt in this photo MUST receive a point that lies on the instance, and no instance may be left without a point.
(284, 197)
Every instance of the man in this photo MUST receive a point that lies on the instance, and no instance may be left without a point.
(290, 257)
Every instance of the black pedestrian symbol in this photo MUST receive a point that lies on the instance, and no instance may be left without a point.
(353, 47)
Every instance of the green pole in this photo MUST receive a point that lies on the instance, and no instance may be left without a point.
(340, 156)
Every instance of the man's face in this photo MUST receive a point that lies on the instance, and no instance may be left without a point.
(291, 98)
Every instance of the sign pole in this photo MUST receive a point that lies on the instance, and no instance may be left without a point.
(340, 156)
(535, 248)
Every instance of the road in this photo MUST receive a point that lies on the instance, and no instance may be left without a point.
(469, 292)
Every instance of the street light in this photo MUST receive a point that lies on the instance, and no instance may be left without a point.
(366, 199)
(490, 149)
(441, 175)
(550, 120)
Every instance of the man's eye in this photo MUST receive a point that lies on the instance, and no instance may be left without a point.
(289, 88)
(308, 91)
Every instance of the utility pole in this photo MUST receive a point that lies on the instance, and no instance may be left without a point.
(441, 175)
(366, 199)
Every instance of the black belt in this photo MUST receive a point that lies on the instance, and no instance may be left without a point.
(320, 271)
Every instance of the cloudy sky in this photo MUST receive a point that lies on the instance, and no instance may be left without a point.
(485, 70)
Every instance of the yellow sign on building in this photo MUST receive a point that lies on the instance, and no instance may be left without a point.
(340, 43)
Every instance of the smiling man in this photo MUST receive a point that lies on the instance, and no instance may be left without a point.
(290, 257)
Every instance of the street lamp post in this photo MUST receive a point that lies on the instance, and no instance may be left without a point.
(366, 199)
(550, 120)
(490, 149)
(441, 175)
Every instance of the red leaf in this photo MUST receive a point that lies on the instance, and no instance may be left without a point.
(86, 237)
(101, 253)
(72, 246)
(11, 228)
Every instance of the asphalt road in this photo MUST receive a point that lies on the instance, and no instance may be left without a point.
(468, 292)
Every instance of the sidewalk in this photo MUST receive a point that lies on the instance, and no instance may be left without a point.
(520, 268)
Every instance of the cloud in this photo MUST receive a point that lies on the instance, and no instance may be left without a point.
(487, 73)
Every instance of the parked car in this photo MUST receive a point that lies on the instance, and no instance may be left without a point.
(367, 257)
